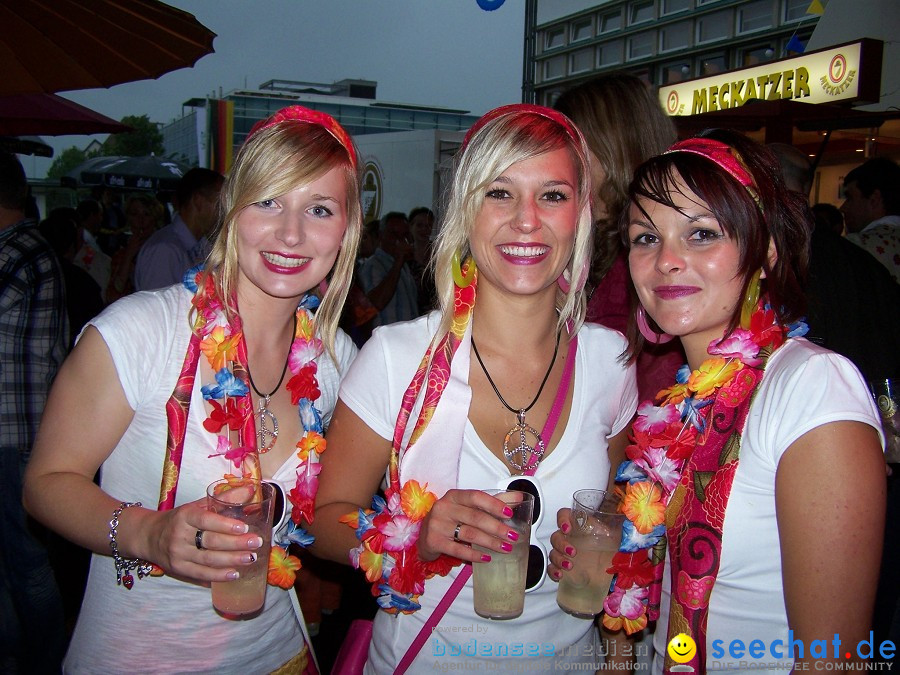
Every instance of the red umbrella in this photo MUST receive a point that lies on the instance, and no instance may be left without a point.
(51, 115)
(61, 45)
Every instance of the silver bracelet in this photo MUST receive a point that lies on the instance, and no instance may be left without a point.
(124, 566)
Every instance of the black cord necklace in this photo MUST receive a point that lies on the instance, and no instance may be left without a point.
(266, 436)
(525, 452)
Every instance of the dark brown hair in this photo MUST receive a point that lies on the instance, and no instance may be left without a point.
(781, 215)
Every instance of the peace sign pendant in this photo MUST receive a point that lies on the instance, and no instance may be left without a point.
(528, 456)
(265, 434)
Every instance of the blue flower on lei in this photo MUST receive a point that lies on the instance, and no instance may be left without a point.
(310, 417)
(226, 385)
(633, 541)
(390, 598)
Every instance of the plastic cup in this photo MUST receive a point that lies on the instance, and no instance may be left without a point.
(887, 398)
(499, 585)
(251, 502)
(596, 534)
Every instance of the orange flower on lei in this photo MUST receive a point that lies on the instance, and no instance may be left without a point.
(282, 568)
(643, 505)
(415, 500)
(312, 441)
(220, 349)
(712, 374)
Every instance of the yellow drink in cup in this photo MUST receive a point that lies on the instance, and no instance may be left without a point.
(596, 533)
(251, 502)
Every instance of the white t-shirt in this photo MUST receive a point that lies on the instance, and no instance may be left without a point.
(163, 625)
(603, 402)
(804, 387)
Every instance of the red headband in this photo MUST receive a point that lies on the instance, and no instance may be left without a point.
(297, 113)
(723, 156)
(523, 108)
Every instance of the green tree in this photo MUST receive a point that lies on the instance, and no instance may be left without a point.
(145, 139)
(67, 160)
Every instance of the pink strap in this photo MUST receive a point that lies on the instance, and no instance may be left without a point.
(436, 616)
(558, 402)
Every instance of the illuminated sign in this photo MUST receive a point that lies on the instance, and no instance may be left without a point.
(850, 72)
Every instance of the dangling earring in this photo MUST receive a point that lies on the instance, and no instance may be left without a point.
(649, 334)
(582, 280)
(751, 299)
(456, 271)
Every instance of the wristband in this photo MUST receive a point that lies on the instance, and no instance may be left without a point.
(124, 566)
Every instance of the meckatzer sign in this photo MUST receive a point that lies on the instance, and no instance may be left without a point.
(850, 72)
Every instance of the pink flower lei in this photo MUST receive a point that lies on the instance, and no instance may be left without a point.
(221, 341)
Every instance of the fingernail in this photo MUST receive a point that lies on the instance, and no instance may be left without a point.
(565, 528)
(506, 546)
(566, 564)
(485, 557)
(513, 535)
(240, 528)
(557, 575)
(256, 542)
(248, 558)
(570, 550)
(232, 575)
(507, 512)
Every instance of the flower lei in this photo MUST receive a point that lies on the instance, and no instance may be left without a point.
(663, 439)
(222, 343)
(389, 532)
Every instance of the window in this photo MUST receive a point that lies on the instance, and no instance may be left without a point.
(754, 55)
(610, 53)
(581, 61)
(675, 36)
(676, 72)
(672, 6)
(640, 45)
(554, 37)
(555, 67)
(714, 27)
(713, 64)
(755, 16)
(640, 12)
(582, 29)
(610, 22)
(795, 10)
(550, 97)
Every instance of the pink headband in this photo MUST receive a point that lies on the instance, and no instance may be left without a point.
(723, 156)
(523, 108)
(298, 113)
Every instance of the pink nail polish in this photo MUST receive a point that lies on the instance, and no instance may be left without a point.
(513, 535)
(566, 565)
(557, 575)
(565, 528)
(485, 557)
(506, 546)
(507, 512)
(570, 550)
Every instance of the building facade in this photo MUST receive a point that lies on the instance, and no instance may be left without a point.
(661, 41)
(214, 128)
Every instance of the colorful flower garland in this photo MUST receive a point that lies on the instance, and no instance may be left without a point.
(389, 532)
(663, 439)
(223, 345)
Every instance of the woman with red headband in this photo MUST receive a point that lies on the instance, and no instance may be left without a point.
(227, 374)
(507, 355)
(754, 486)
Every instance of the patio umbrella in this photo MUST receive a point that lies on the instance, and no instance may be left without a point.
(62, 45)
(26, 145)
(51, 115)
(129, 173)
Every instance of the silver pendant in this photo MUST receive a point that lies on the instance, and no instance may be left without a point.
(526, 453)
(265, 435)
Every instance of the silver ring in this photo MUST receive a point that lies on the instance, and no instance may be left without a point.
(198, 540)
(456, 533)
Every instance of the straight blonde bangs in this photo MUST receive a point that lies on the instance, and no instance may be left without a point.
(492, 150)
(272, 162)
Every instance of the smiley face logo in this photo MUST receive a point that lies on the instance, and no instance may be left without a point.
(682, 648)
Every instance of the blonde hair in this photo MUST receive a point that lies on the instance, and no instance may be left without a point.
(510, 138)
(273, 161)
